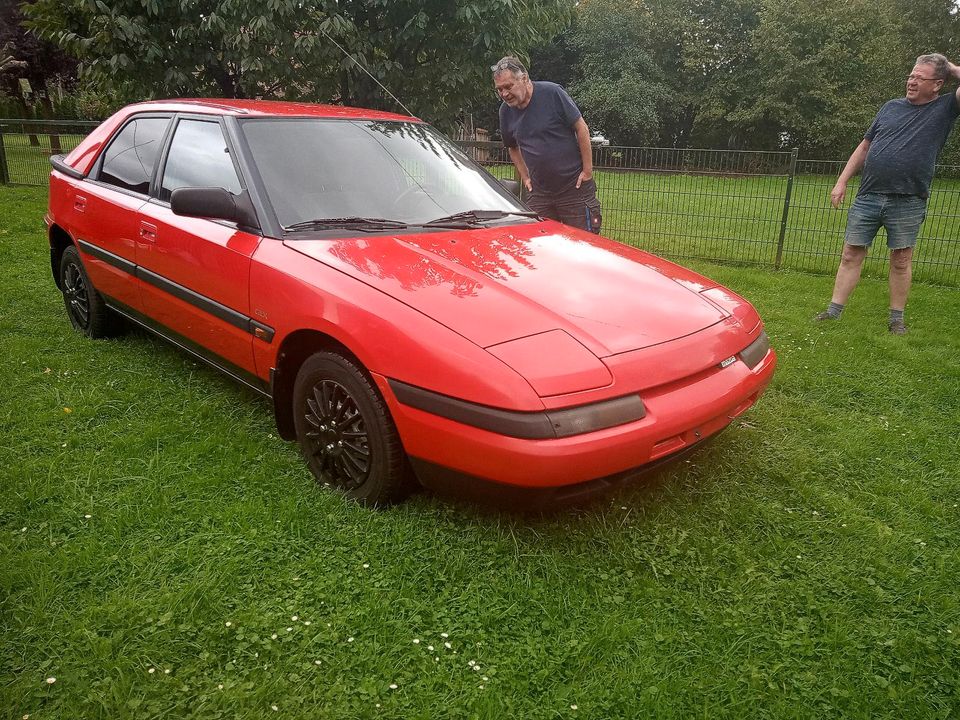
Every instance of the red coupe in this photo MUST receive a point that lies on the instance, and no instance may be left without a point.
(408, 316)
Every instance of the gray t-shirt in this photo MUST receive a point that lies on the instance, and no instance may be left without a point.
(905, 140)
(543, 131)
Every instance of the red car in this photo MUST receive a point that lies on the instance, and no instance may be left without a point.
(408, 316)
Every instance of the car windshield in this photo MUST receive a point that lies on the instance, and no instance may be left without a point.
(394, 172)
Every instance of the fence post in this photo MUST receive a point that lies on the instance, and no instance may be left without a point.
(4, 172)
(786, 209)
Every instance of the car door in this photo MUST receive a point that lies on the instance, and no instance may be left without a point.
(104, 218)
(195, 271)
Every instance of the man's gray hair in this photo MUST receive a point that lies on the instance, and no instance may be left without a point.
(939, 63)
(511, 64)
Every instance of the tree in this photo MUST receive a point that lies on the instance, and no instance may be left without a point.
(819, 75)
(434, 54)
(25, 56)
(619, 84)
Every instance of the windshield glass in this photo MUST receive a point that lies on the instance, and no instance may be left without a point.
(408, 172)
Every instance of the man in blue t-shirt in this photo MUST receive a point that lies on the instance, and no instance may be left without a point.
(549, 144)
(897, 154)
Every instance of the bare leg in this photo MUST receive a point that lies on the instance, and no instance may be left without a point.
(901, 273)
(848, 275)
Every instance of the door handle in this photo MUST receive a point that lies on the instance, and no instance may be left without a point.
(148, 231)
(79, 203)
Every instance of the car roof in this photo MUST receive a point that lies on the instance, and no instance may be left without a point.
(82, 157)
(263, 108)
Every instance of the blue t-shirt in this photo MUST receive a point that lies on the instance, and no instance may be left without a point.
(905, 140)
(543, 131)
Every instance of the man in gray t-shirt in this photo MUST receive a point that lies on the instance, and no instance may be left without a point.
(549, 144)
(897, 154)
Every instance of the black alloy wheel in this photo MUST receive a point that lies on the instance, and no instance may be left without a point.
(346, 433)
(86, 309)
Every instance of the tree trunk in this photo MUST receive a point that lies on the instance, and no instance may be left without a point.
(34, 140)
(55, 148)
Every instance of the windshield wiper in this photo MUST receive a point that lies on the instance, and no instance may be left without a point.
(473, 217)
(364, 224)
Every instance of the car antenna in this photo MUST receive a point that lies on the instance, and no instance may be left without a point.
(360, 65)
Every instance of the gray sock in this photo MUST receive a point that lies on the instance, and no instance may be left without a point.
(834, 309)
(896, 315)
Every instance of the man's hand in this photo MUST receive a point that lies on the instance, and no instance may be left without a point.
(954, 70)
(584, 177)
(527, 184)
(838, 193)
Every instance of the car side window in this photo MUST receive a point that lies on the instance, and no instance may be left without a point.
(130, 159)
(198, 157)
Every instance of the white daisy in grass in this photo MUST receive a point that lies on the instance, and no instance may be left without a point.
(444, 635)
(220, 686)
(316, 662)
(228, 623)
(416, 641)
(393, 686)
(307, 622)
(295, 618)
(273, 637)
(349, 639)
(289, 629)
(274, 708)
(447, 645)
(430, 648)
(152, 670)
(573, 707)
(51, 680)
(366, 565)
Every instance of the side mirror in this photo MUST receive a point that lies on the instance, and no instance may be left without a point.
(213, 202)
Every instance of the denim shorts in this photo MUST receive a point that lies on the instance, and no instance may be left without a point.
(901, 215)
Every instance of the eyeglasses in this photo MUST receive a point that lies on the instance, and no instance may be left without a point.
(507, 65)
(918, 78)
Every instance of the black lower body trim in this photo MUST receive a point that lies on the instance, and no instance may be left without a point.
(244, 377)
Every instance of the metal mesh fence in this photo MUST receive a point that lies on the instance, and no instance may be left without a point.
(766, 209)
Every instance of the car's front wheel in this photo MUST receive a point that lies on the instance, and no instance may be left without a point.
(346, 433)
(86, 309)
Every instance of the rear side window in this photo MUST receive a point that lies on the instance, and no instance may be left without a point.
(198, 157)
(130, 159)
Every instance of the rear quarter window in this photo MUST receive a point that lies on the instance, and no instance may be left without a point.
(131, 157)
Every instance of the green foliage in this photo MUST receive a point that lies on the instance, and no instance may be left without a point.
(620, 85)
(830, 73)
(433, 54)
(758, 74)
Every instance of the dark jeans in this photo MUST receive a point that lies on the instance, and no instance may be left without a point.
(577, 207)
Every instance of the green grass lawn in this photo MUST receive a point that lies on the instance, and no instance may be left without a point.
(163, 554)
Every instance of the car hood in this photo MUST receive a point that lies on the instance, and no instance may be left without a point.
(498, 284)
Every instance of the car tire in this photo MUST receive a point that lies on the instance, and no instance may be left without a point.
(346, 433)
(86, 309)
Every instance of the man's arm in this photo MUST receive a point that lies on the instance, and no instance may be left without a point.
(954, 71)
(521, 167)
(852, 167)
(586, 151)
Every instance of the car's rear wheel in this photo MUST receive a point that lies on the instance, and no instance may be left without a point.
(86, 309)
(346, 433)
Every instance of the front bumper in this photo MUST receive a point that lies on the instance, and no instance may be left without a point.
(678, 416)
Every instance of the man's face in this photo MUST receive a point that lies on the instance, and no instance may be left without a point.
(514, 90)
(922, 85)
